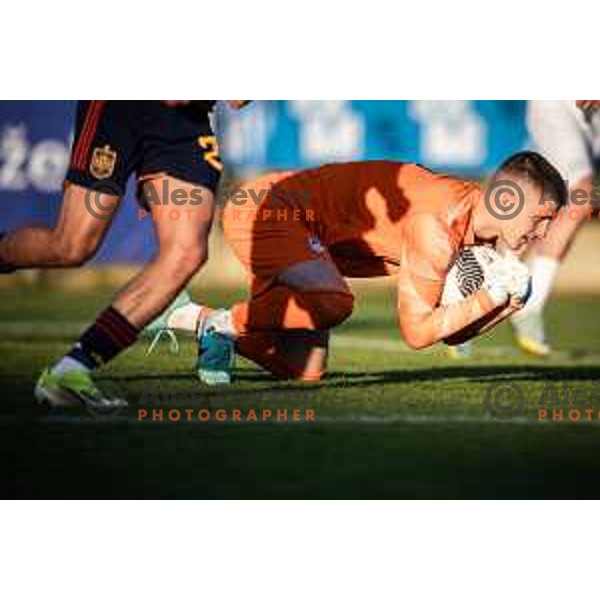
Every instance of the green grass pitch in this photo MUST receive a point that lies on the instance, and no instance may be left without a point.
(389, 423)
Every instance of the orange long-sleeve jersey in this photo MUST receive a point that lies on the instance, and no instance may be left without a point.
(374, 218)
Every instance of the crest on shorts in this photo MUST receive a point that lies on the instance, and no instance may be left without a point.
(103, 162)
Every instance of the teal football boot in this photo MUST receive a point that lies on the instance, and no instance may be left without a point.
(216, 353)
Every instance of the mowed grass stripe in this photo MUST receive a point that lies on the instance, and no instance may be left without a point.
(45, 330)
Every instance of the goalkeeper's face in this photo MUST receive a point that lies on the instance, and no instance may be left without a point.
(532, 222)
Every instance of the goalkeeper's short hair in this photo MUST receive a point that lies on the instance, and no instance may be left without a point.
(533, 167)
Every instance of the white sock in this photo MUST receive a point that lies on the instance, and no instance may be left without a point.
(185, 318)
(222, 321)
(543, 272)
(66, 364)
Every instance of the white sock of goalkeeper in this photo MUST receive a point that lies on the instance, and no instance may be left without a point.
(185, 318)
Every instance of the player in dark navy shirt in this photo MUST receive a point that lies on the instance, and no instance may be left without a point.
(170, 147)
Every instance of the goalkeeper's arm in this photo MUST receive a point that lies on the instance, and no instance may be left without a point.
(424, 322)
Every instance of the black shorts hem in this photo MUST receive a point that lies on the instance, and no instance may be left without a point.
(208, 179)
(105, 186)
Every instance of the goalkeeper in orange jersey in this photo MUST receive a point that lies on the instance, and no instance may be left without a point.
(300, 234)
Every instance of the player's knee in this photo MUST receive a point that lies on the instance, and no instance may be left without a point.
(337, 308)
(184, 261)
(330, 309)
(73, 251)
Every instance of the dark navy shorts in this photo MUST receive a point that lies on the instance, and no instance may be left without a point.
(117, 138)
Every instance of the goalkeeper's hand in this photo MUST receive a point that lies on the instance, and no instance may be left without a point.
(508, 279)
(498, 282)
(519, 281)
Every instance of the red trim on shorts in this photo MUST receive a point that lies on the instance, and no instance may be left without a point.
(87, 133)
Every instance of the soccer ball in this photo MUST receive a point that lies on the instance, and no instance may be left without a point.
(473, 267)
(468, 273)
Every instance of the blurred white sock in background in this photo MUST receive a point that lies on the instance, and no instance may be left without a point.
(543, 272)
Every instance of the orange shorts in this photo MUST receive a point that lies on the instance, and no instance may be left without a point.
(274, 226)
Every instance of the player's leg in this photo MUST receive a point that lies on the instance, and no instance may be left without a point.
(557, 243)
(310, 297)
(98, 169)
(544, 263)
(284, 327)
(182, 250)
(296, 284)
(299, 354)
(296, 354)
(296, 287)
(89, 202)
(75, 238)
(167, 147)
(71, 242)
(154, 140)
(182, 235)
(560, 131)
(561, 232)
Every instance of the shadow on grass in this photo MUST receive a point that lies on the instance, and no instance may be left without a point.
(480, 373)
(173, 388)
(265, 383)
(474, 373)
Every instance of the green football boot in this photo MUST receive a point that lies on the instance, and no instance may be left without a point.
(75, 389)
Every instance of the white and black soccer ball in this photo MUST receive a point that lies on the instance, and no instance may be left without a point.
(468, 273)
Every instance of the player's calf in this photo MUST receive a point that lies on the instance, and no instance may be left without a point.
(276, 312)
(297, 355)
(71, 251)
(59, 247)
(182, 261)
